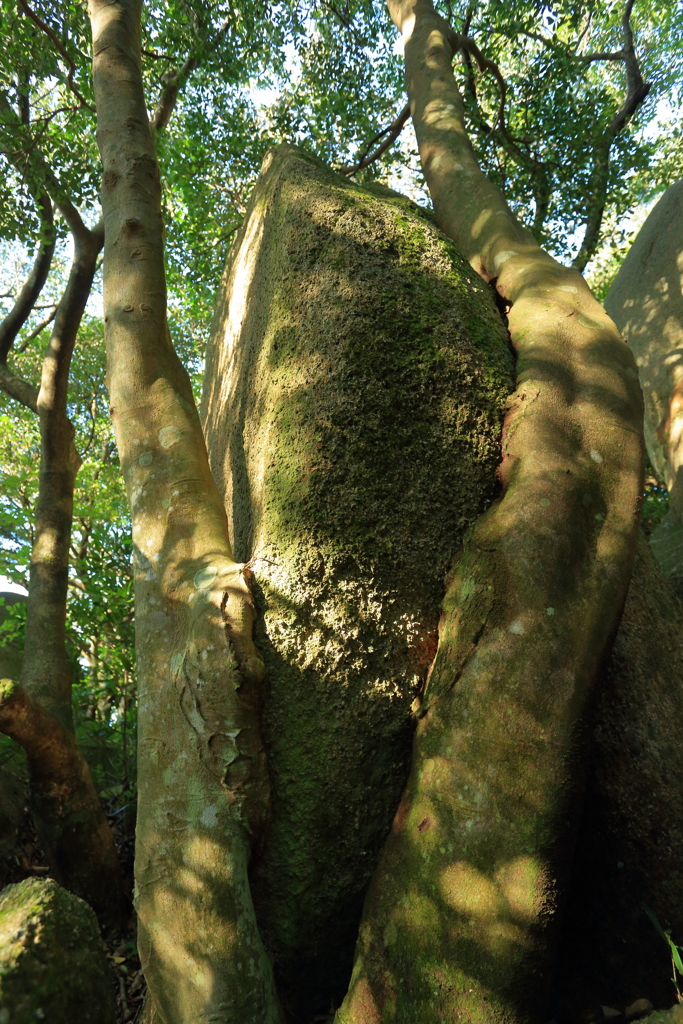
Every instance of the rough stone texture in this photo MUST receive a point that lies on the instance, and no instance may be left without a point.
(356, 380)
(631, 836)
(646, 303)
(52, 965)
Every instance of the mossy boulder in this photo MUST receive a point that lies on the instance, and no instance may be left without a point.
(52, 964)
(355, 385)
(628, 849)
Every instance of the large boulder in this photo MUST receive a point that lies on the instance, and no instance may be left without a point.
(52, 964)
(646, 303)
(355, 385)
(628, 851)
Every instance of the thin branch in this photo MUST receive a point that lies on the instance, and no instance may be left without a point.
(38, 330)
(175, 80)
(392, 132)
(34, 169)
(18, 388)
(60, 47)
(21, 310)
(637, 90)
(588, 58)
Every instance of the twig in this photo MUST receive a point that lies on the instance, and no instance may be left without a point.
(62, 50)
(38, 330)
(21, 310)
(174, 81)
(392, 132)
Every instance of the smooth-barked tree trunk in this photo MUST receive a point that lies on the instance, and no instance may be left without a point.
(203, 785)
(462, 916)
(71, 824)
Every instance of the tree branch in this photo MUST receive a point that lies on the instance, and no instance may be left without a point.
(175, 80)
(60, 48)
(38, 330)
(18, 388)
(637, 90)
(21, 310)
(588, 58)
(34, 168)
(392, 132)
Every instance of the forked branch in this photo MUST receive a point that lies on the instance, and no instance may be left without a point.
(637, 90)
(391, 132)
(26, 300)
(61, 49)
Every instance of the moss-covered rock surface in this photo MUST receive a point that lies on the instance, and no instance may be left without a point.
(52, 964)
(356, 381)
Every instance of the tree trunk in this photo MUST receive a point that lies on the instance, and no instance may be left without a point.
(461, 919)
(203, 785)
(71, 825)
(354, 392)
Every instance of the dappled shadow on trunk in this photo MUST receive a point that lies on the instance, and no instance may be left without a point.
(463, 914)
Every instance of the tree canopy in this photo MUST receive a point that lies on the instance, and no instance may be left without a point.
(570, 107)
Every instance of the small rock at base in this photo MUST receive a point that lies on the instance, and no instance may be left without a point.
(640, 1008)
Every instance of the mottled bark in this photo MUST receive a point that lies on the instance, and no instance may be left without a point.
(462, 915)
(203, 787)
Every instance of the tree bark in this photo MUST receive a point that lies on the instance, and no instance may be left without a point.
(462, 914)
(69, 819)
(70, 822)
(203, 785)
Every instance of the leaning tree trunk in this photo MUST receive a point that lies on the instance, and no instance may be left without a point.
(461, 919)
(354, 392)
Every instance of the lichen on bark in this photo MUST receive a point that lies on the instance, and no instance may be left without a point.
(356, 381)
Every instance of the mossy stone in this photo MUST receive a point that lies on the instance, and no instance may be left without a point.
(52, 964)
(355, 386)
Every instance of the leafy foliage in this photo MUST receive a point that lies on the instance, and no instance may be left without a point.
(241, 76)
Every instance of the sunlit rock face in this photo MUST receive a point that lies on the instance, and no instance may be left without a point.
(355, 384)
(646, 303)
